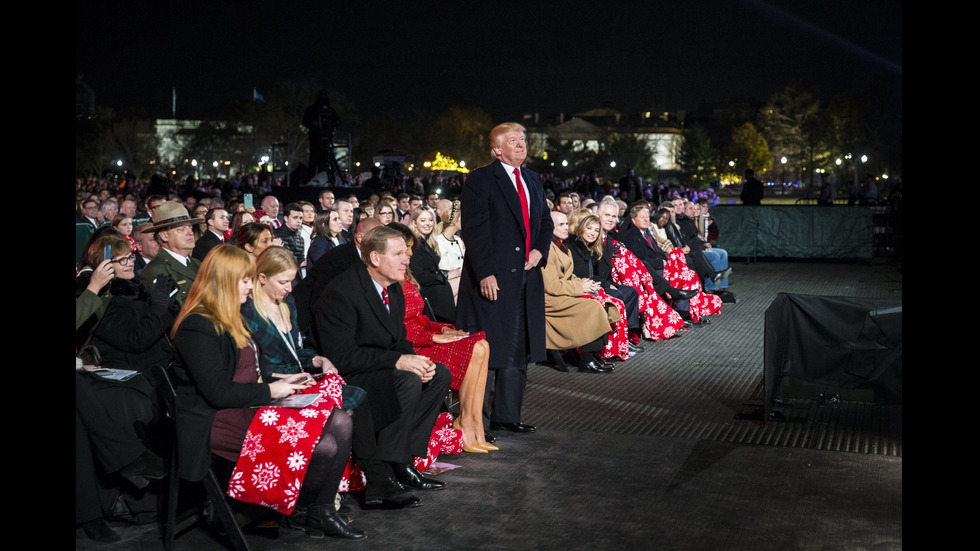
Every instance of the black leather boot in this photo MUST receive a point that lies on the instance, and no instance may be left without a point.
(323, 520)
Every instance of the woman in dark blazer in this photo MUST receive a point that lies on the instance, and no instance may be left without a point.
(433, 283)
(593, 261)
(218, 385)
(271, 316)
(327, 229)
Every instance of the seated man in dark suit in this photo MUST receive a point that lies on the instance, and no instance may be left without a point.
(217, 222)
(360, 319)
(636, 237)
(331, 264)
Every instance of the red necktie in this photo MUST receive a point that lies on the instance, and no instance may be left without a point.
(647, 235)
(525, 213)
(384, 297)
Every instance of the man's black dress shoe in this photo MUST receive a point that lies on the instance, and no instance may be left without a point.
(385, 491)
(512, 427)
(635, 348)
(409, 476)
(686, 294)
(722, 275)
(489, 437)
(594, 367)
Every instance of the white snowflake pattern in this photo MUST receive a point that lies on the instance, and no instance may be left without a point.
(265, 475)
(291, 489)
(331, 387)
(269, 416)
(296, 461)
(236, 485)
(290, 493)
(309, 412)
(292, 432)
(252, 446)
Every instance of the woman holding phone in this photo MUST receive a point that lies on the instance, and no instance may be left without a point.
(270, 314)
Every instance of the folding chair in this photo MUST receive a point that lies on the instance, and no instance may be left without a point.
(215, 502)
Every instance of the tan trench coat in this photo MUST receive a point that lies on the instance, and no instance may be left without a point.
(571, 320)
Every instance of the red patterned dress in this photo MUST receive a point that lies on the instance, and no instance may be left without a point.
(455, 355)
(679, 275)
(617, 340)
(271, 446)
(659, 319)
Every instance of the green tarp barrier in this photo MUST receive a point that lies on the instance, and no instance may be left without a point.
(786, 231)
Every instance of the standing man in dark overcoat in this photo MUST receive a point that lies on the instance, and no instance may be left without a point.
(507, 229)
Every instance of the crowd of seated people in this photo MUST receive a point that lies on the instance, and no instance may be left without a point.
(234, 339)
(573, 320)
(255, 307)
(656, 243)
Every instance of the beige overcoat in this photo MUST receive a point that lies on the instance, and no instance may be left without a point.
(571, 320)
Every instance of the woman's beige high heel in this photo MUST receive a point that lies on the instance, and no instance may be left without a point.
(467, 447)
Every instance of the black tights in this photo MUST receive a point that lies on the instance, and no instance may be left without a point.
(328, 462)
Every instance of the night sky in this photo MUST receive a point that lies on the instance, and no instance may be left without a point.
(507, 57)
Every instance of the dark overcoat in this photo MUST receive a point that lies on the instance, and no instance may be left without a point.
(362, 339)
(205, 373)
(493, 229)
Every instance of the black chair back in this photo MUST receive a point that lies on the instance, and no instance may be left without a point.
(215, 503)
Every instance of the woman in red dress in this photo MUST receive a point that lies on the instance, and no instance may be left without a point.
(466, 355)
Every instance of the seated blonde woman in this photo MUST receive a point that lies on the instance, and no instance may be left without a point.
(572, 319)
